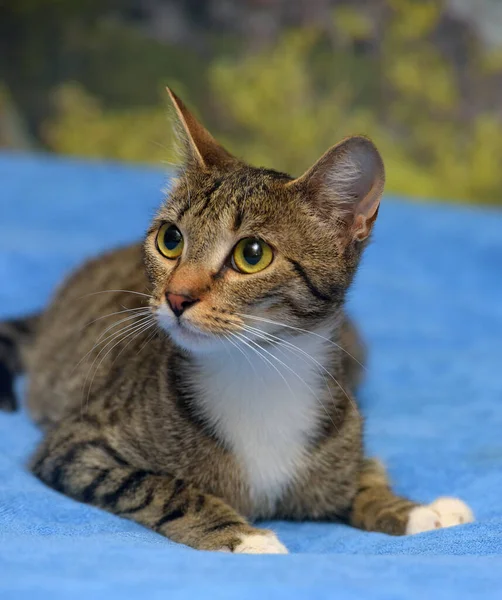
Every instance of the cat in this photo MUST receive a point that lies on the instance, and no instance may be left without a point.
(206, 378)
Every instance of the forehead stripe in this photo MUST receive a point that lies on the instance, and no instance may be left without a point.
(208, 195)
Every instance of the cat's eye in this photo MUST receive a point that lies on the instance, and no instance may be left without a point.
(170, 241)
(251, 255)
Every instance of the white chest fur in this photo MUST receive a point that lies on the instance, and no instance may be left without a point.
(264, 410)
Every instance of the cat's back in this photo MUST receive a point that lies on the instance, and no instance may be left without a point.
(91, 309)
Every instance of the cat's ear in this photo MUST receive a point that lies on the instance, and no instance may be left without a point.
(198, 145)
(346, 183)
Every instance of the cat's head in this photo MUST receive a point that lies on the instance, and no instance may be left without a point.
(236, 251)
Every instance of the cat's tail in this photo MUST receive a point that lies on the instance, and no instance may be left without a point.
(16, 336)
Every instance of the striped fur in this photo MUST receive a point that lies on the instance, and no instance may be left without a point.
(241, 408)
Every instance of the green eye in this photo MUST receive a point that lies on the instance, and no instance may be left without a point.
(170, 241)
(251, 255)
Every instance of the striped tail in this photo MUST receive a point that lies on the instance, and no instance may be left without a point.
(16, 336)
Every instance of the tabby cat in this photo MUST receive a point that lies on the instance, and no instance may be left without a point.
(205, 379)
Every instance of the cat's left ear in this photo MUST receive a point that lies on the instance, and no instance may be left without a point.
(346, 184)
(198, 145)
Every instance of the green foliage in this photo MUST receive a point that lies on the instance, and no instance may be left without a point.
(287, 112)
(287, 104)
(84, 128)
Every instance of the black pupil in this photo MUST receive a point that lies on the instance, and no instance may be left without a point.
(253, 252)
(172, 238)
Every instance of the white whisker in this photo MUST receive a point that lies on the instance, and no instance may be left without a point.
(116, 291)
(112, 336)
(297, 376)
(251, 364)
(293, 346)
(242, 338)
(118, 312)
(150, 338)
(135, 328)
(144, 313)
(322, 337)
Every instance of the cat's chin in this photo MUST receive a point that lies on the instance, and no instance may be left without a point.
(193, 342)
(187, 337)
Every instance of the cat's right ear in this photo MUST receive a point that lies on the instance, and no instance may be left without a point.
(346, 185)
(198, 146)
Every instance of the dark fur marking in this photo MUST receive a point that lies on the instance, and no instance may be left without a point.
(332, 424)
(218, 275)
(59, 443)
(87, 494)
(177, 513)
(233, 543)
(178, 486)
(130, 483)
(37, 465)
(208, 195)
(199, 503)
(59, 469)
(7, 396)
(102, 445)
(7, 341)
(22, 326)
(143, 504)
(182, 211)
(79, 417)
(308, 282)
(239, 218)
(185, 397)
(223, 525)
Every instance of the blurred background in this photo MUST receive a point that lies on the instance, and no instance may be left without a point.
(277, 81)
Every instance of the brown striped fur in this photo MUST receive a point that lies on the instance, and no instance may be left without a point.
(124, 429)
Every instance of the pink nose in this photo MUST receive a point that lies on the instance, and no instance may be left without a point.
(179, 303)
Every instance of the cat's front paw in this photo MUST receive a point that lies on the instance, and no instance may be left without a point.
(261, 542)
(443, 512)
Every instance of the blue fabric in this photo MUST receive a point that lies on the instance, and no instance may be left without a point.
(429, 299)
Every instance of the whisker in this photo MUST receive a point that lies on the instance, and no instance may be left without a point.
(242, 338)
(150, 338)
(279, 344)
(251, 364)
(322, 337)
(298, 377)
(293, 347)
(227, 349)
(320, 365)
(107, 339)
(135, 334)
(118, 312)
(135, 328)
(115, 291)
(113, 336)
(125, 319)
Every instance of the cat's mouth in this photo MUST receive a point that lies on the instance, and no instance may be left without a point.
(185, 333)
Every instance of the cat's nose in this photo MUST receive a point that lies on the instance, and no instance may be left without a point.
(179, 303)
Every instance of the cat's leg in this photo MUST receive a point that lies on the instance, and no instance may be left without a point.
(377, 508)
(80, 462)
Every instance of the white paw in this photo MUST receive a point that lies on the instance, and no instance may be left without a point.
(443, 512)
(260, 543)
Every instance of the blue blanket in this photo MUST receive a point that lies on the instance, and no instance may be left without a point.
(429, 300)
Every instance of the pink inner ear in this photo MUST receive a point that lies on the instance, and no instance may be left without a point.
(363, 224)
(360, 229)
